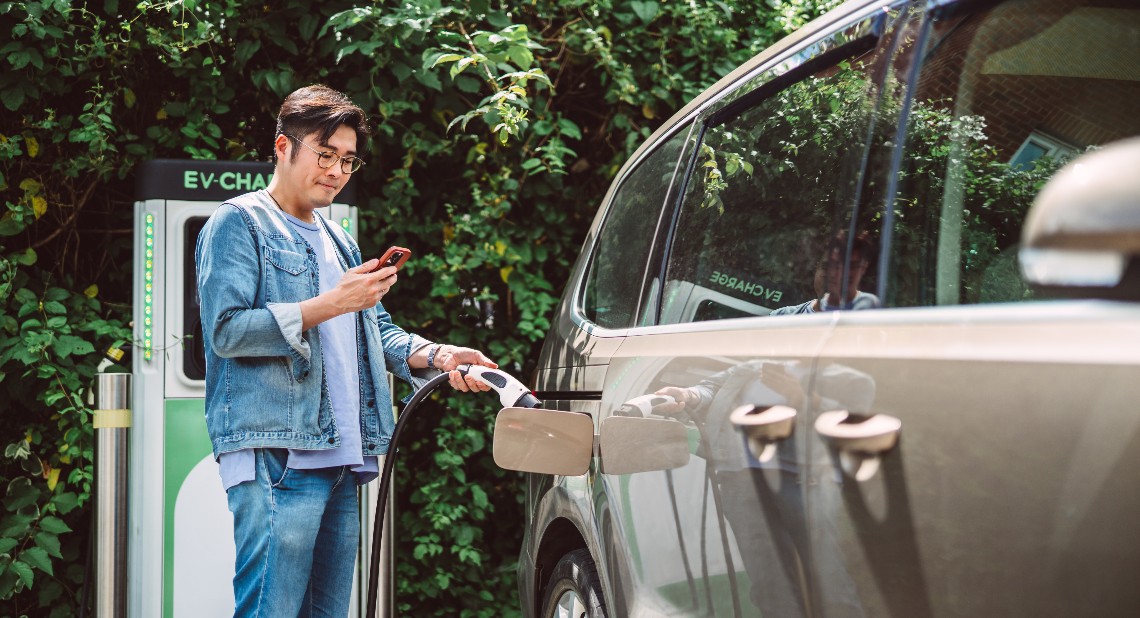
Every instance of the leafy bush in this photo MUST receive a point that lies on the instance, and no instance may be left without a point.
(498, 128)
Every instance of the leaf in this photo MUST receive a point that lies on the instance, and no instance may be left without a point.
(308, 25)
(521, 56)
(27, 258)
(15, 525)
(569, 129)
(68, 345)
(38, 558)
(65, 502)
(467, 84)
(49, 543)
(645, 10)
(17, 450)
(19, 59)
(39, 206)
(53, 525)
(461, 66)
(92, 291)
(54, 293)
(446, 58)
(32, 145)
(20, 493)
(429, 79)
(401, 71)
(479, 497)
(23, 571)
(6, 544)
(498, 20)
(129, 98)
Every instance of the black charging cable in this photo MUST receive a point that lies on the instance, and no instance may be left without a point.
(511, 393)
(385, 482)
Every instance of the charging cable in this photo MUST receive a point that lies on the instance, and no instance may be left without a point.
(512, 394)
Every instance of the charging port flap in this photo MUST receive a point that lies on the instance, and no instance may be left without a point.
(543, 441)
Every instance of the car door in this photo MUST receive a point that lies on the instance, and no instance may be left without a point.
(734, 326)
(602, 303)
(1012, 488)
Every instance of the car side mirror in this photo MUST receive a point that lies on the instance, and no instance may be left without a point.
(543, 441)
(1082, 234)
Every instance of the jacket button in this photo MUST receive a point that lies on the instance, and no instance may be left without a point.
(371, 403)
(332, 440)
(371, 445)
(304, 374)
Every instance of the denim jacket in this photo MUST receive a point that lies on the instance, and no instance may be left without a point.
(265, 382)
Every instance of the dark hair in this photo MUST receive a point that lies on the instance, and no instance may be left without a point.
(321, 110)
(861, 247)
(862, 250)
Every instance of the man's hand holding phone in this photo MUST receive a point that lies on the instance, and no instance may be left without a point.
(395, 257)
(360, 287)
(387, 267)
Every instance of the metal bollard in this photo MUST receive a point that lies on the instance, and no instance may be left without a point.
(112, 419)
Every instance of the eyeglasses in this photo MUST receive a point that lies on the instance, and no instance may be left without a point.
(326, 160)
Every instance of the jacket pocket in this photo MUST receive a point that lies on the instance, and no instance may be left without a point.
(288, 278)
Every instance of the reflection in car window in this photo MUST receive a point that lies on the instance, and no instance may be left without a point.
(1004, 98)
(617, 270)
(770, 190)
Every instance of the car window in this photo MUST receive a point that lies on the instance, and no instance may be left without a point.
(765, 225)
(1003, 99)
(613, 286)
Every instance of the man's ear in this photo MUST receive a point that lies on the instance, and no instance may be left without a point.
(281, 146)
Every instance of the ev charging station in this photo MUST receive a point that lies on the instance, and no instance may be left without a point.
(180, 541)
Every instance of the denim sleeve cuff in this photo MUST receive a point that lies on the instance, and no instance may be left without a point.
(288, 316)
(416, 377)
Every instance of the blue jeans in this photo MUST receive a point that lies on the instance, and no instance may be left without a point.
(297, 533)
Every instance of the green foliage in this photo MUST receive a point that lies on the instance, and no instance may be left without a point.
(498, 127)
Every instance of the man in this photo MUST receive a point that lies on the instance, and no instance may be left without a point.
(829, 282)
(297, 350)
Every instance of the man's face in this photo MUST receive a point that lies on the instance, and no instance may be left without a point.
(308, 185)
(832, 274)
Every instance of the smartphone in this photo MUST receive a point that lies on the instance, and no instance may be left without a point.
(394, 256)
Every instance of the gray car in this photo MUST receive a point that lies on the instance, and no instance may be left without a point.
(856, 333)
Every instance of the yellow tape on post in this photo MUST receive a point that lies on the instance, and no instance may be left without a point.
(106, 419)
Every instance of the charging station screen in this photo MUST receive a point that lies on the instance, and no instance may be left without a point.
(193, 349)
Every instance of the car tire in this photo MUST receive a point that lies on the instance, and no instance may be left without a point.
(574, 590)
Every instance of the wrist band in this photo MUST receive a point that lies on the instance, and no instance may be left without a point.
(431, 355)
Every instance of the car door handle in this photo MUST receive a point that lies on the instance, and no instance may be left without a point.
(860, 440)
(764, 426)
(872, 435)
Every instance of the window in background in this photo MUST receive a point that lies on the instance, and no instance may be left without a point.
(1066, 73)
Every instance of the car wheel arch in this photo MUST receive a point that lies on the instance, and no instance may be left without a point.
(559, 538)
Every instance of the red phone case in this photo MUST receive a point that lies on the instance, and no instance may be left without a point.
(390, 254)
